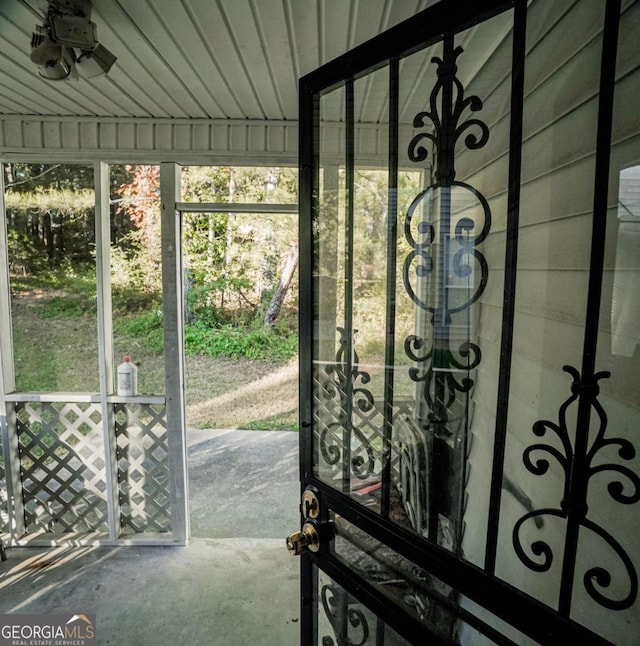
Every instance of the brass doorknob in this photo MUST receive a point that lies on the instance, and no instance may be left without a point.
(306, 539)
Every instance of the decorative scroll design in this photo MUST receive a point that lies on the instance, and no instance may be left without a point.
(446, 127)
(345, 385)
(336, 606)
(577, 463)
(444, 249)
(440, 393)
(421, 262)
(413, 472)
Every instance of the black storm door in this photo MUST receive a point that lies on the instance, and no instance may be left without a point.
(470, 324)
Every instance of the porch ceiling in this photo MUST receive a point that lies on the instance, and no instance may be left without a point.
(192, 59)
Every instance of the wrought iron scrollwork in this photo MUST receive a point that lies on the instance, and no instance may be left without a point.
(577, 461)
(441, 249)
(440, 393)
(420, 260)
(346, 384)
(446, 127)
(337, 610)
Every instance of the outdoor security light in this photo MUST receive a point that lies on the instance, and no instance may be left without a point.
(67, 40)
(54, 61)
(96, 62)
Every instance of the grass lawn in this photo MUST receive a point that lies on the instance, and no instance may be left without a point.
(56, 349)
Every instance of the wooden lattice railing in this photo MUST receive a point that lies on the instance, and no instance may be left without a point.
(366, 437)
(65, 476)
(143, 468)
(62, 466)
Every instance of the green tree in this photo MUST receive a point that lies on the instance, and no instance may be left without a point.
(50, 215)
(233, 259)
(137, 250)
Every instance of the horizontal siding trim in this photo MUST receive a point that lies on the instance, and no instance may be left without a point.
(252, 142)
(148, 140)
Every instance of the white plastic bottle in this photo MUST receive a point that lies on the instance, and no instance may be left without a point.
(127, 378)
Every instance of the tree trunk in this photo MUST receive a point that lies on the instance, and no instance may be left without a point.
(10, 175)
(273, 311)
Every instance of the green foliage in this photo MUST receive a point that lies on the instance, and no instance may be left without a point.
(205, 246)
(26, 254)
(145, 328)
(213, 338)
(71, 204)
(136, 255)
(232, 261)
(132, 271)
(128, 300)
(64, 293)
(36, 367)
(81, 281)
(270, 425)
(274, 185)
(251, 342)
(206, 183)
(240, 184)
(63, 307)
(26, 178)
(49, 228)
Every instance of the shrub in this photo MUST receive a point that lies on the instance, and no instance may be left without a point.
(146, 328)
(251, 342)
(221, 340)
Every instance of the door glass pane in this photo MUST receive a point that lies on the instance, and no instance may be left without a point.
(439, 608)
(419, 260)
(329, 283)
(619, 353)
(554, 242)
(369, 285)
(452, 257)
(344, 620)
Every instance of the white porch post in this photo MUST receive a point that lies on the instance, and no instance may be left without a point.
(8, 384)
(105, 341)
(172, 300)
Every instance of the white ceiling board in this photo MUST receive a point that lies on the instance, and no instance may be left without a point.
(146, 55)
(244, 25)
(193, 59)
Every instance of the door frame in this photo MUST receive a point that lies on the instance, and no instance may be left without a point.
(481, 585)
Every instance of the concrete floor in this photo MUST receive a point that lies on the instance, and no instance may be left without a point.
(234, 584)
